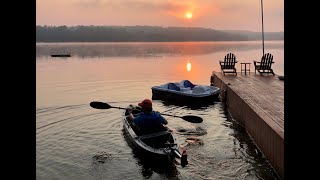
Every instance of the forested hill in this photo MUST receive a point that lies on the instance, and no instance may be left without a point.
(144, 34)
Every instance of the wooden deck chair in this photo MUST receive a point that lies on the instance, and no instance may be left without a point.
(264, 66)
(228, 65)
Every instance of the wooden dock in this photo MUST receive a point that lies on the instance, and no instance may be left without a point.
(257, 102)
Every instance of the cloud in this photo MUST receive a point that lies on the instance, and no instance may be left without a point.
(134, 5)
(89, 4)
(206, 13)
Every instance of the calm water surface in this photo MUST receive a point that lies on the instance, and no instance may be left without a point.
(75, 141)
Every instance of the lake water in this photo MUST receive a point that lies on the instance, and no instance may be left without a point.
(72, 137)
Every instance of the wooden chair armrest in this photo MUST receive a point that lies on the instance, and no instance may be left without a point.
(256, 62)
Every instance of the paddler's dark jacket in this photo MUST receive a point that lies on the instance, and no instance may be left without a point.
(150, 121)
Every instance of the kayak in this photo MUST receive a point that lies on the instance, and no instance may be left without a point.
(162, 144)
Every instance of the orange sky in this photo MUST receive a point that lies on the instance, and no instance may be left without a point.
(216, 14)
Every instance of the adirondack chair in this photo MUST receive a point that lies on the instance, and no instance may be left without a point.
(228, 65)
(264, 66)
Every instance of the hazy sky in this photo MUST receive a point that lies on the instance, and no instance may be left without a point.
(216, 14)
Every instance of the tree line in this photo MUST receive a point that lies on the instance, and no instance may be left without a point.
(144, 34)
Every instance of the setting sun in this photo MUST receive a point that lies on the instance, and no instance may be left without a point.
(188, 15)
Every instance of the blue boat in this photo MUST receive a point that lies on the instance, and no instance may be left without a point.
(185, 92)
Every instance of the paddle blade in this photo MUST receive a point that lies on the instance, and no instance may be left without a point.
(99, 105)
(192, 119)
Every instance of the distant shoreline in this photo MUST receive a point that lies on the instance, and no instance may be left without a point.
(146, 41)
(146, 34)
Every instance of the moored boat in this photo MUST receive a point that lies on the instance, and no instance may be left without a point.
(185, 91)
(60, 55)
(162, 144)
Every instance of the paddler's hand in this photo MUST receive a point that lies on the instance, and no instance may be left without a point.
(129, 110)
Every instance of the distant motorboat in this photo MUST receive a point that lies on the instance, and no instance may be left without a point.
(60, 55)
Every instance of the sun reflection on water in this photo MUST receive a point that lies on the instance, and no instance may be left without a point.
(189, 66)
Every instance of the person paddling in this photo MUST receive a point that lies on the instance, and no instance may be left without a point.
(148, 121)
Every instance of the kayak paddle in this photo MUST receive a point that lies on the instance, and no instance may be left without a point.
(189, 118)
